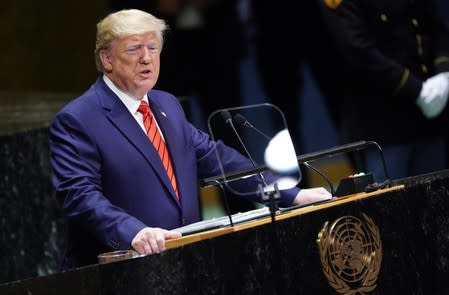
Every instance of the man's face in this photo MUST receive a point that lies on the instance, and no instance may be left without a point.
(133, 63)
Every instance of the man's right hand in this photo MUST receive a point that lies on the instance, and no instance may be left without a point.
(152, 240)
(312, 195)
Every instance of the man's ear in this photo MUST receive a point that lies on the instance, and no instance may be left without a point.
(105, 58)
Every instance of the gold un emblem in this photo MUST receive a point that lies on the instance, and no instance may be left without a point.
(351, 254)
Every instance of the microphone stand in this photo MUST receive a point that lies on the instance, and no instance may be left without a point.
(331, 187)
(271, 196)
(225, 201)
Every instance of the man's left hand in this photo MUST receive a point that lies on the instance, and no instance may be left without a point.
(311, 195)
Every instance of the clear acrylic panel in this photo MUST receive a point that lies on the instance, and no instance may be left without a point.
(259, 132)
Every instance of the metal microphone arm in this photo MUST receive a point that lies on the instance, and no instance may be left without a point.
(240, 119)
(265, 196)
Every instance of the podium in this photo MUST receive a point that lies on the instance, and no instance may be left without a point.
(390, 241)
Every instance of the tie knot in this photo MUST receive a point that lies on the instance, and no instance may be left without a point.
(144, 108)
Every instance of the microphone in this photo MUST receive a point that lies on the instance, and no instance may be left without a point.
(226, 115)
(242, 121)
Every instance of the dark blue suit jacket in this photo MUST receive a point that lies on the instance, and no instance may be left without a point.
(110, 179)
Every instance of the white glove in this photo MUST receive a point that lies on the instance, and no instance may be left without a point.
(434, 95)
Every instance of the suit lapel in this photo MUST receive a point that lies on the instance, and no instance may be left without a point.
(120, 117)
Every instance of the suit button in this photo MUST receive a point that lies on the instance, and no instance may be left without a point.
(424, 69)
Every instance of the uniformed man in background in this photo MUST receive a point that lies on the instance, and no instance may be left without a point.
(395, 81)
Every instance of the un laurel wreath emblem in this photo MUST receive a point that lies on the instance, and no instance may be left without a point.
(351, 254)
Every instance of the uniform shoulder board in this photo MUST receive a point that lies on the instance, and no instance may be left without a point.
(333, 4)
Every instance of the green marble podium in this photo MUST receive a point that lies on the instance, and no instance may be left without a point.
(386, 242)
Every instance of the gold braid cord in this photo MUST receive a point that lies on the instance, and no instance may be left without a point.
(332, 4)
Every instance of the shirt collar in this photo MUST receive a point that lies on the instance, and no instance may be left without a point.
(131, 103)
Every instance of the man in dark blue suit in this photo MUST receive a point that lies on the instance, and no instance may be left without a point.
(108, 175)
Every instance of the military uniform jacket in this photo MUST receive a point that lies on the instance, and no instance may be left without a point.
(388, 48)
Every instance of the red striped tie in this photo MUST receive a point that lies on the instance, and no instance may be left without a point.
(159, 144)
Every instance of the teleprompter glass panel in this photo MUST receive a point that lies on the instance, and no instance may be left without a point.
(259, 133)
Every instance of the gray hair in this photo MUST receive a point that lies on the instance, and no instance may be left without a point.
(124, 23)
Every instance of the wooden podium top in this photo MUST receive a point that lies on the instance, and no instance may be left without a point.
(170, 244)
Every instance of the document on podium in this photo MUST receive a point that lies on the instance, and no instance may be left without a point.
(223, 221)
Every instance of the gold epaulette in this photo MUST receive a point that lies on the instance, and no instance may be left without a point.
(332, 3)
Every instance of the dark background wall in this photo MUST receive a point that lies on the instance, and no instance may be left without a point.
(46, 58)
(48, 45)
(31, 222)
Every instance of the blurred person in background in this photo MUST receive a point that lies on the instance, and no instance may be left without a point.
(287, 42)
(395, 79)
